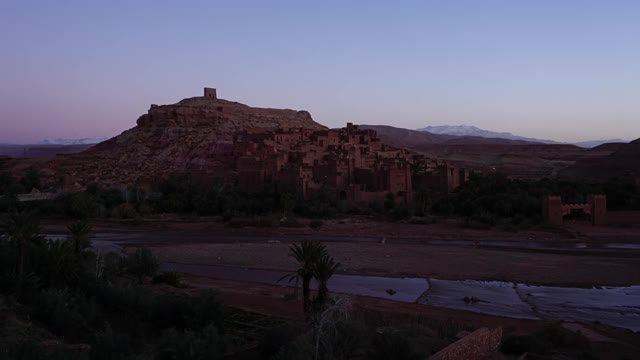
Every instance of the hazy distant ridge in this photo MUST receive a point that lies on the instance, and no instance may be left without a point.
(83, 141)
(466, 130)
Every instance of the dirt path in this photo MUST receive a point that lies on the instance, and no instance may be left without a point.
(408, 260)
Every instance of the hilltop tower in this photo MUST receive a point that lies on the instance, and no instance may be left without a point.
(210, 93)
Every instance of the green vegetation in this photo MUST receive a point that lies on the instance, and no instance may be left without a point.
(496, 199)
(550, 338)
(308, 254)
(74, 296)
(483, 201)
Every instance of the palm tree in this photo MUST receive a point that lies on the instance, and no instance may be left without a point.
(322, 270)
(80, 235)
(63, 264)
(306, 254)
(22, 228)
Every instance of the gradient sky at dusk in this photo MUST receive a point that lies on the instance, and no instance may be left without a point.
(563, 70)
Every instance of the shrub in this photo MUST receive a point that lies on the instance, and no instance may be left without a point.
(392, 345)
(188, 313)
(142, 263)
(341, 341)
(26, 286)
(209, 309)
(124, 211)
(170, 278)
(520, 344)
(275, 338)
(299, 349)
(316, 224)
(56, 308)
(177, 345)
(558, 336)
(291, 222)
(172, 311)
(421, 220)
(112, 265)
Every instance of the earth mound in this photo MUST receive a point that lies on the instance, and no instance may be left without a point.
(191, 136)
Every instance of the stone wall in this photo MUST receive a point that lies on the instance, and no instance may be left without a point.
(475, 346)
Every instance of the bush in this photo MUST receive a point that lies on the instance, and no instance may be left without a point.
(392, 345)
(26, 287)
(341, 340)
(188, 313)
(112, 265)
(298, 349)
(124, 211)
(56, 308)
(142, 263)
(551, 337)
(421, 220)
(517, 345)
(209, 309)
(316, 224)
(276, 338)
(203, 345)
(291, 222)
(170, 278)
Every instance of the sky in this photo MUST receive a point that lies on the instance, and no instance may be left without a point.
(562, 70)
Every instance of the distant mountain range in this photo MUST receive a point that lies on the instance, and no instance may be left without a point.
(83, 141)
(466, 130)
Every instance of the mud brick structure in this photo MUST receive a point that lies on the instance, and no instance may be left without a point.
(249, 148)
(352, 161)
(553, 211)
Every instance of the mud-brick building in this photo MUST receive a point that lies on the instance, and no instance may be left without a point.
(354, 162)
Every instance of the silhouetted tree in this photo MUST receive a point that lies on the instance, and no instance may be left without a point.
(322, 270)
(80, 235)
(306, 253)
(23, 229)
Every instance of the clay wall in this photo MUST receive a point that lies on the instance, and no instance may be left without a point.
(623, 217)
(552, 210)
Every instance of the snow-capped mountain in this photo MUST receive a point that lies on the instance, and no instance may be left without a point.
(466, 130)
(84, 141)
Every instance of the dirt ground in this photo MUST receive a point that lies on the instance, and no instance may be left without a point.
(369, 247)
(398, 250)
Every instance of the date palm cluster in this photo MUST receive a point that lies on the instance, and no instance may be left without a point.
(314, 263)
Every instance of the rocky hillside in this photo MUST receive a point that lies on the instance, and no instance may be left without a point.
(192, 135)
(622, 163)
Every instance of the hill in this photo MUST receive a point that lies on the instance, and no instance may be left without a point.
(466, 130)
(169, 139)
(516, 158)
(408, 138)
(624, 162)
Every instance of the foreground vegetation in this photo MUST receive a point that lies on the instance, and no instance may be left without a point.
(58, 300)
(486, 200)
(67, 302)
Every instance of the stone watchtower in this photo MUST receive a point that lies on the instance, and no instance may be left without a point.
(210, 93)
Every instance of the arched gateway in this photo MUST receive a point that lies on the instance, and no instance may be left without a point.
(553, 210)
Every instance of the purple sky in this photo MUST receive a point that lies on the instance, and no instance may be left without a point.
(562, 70)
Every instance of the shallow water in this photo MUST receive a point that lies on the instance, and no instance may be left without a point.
(617, 306)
